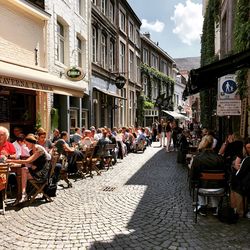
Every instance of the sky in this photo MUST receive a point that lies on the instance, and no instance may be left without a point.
(175, 24)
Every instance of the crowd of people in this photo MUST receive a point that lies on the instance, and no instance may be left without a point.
(34, 152)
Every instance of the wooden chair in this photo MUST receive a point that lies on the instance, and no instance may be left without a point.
(217, 187)
(91, 161)
(38, 186)
(110, 148)
(4, 175)
(64, 170)
(140, 146)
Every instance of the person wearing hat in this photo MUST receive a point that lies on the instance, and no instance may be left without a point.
(37, 163)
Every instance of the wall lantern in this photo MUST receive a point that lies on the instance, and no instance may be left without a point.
(120, 81)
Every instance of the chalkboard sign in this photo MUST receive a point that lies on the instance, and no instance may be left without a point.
(4, 108)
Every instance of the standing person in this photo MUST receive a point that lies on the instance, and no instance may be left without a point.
(175, 133)
(154, 131)
(161, 133)
(168, 129)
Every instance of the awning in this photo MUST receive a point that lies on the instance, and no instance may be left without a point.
(176, 115)
(12, 75)
(206, 77)
(106, 92)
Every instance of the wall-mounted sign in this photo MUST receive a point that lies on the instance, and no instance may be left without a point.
(228, 87)
(228, 107)
(74, 73)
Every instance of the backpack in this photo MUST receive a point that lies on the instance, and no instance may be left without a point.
(226, 213)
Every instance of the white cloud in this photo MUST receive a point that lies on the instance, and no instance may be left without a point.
(156, 26)
(188, 21)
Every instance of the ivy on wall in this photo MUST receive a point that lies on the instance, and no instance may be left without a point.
(242, 40)
(211, 19)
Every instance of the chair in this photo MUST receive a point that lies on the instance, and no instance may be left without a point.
(38, 187)
(108, 159)
(140, 146)
(210, 184)
(4, 175)
(64, 170)
(91, 161)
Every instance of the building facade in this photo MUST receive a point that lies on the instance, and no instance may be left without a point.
(157, 80)
(26, 85)
(115, 55)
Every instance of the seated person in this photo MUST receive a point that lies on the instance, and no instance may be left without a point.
(43, 141)
(240, 179)
(56, 135)
(72, 154)
(76, 137)
(22, 150)
(7, 149)
(87, 139)
(206, 160)
(37, 163)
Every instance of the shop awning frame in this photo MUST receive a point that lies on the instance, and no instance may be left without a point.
(106, 92)
(12, 75)
(176, 115)
(207, 77)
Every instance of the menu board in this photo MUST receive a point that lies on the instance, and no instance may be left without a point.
(4, 108)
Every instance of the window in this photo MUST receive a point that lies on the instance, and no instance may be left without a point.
(103, 6)
(131, 107)
(145, 56)
(80, 4)
(122, 57)
(131, 65)
(154, 62)
(122, 19)
(79, 52)
(111, 11)
(138, 66)
(84, 118)
(60, 43)
(73, 119)
(164, 67)
(137, 42)
(103, 50)
(111, 55)
(94, 44)
(123, 107)
(131, 31)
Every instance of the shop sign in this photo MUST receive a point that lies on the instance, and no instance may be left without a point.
(228, 87)
(228, 107)
(19, 83)
(74, 73)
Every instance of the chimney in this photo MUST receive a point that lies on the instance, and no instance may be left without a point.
(147, 34)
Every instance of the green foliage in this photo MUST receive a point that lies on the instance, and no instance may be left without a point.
(140, 109)
(148, 104)
(242, 40)
(38, 121)
(154, 73)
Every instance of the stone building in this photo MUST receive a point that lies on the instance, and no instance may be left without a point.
(30, 81)
(115, 74)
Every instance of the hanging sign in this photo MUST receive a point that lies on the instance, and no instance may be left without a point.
(74, 73)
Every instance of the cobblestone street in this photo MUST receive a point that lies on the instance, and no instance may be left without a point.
(143, 202)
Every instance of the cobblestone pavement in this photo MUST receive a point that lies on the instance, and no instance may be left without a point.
(142, 202)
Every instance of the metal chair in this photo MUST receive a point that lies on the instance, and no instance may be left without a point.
(4, 175)
(210, 184)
